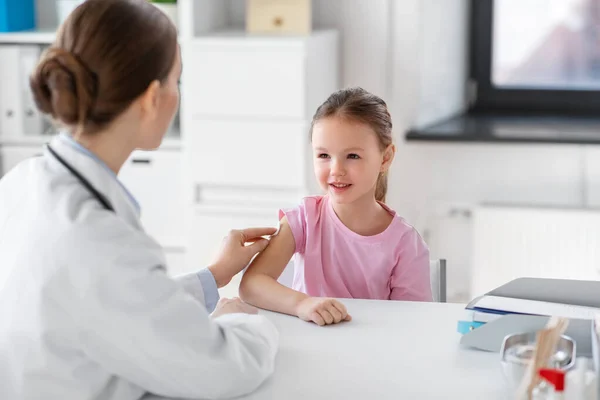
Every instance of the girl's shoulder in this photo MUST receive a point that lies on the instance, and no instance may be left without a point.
(402, 231)
(308, 208)
(313, 201)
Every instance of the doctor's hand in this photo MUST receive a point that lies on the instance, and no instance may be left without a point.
(322, 311)
(232, 306)
(237, 250)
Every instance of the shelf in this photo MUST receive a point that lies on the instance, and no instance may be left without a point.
(39, 37)
(42, 36)
(233, 35)
(512, 128)
(31, 140)
(170, 142)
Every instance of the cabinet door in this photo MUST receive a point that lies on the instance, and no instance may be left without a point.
(272, 154)
(245, 78)
(10, 156)
(155, 179)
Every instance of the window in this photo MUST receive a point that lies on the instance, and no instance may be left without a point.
(536, 55)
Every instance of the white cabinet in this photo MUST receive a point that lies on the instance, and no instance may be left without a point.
(248, 102)
(264, 153)
(10, 156)
(247, 77)
(155, 179)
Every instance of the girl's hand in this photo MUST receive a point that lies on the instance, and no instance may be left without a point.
(322, 311)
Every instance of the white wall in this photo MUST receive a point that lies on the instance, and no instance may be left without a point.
(443, 56)
(438, 181)
(429, 70)
(46, 14)
(365, 30)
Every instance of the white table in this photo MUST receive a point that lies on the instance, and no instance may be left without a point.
(390, 350)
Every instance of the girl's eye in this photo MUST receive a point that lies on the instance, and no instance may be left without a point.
(353, 156)
(323, 155)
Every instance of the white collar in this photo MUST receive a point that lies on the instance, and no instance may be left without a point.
(99, 176)
(69, 140)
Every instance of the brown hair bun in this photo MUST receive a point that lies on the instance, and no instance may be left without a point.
(63, 87)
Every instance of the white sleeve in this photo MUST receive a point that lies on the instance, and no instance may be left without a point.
(142, 326)
(202, 286)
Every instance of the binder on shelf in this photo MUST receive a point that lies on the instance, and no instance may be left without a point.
(17, 15)
(32, 118)
(19, 117)
(9, 73)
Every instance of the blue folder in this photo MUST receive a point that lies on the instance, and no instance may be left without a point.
(17, 15)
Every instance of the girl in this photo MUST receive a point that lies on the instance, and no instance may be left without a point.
(347, 243)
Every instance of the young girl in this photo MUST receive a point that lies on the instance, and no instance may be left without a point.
(347, 243)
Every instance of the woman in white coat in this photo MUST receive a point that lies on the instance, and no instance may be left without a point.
(86, 308)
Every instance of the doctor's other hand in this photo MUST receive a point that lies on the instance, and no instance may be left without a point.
(238, 248)
(322, 311)
(233, 306)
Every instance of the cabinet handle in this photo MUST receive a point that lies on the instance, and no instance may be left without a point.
(141, 161)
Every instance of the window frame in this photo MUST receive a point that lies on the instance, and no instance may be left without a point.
(488, 98)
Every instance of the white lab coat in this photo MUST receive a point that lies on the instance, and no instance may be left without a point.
(87, 310)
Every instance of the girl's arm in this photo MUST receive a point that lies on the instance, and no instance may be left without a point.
(411, 276)
(260, 288)
(259, 285)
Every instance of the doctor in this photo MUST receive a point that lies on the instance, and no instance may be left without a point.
(86, 308)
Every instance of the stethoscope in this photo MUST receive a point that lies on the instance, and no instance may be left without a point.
(99, 196)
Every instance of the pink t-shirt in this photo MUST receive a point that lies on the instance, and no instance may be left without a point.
(333, 261)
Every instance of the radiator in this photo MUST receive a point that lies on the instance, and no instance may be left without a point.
(510, 242)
